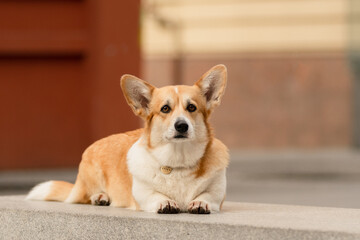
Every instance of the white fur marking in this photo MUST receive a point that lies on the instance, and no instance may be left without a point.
(151, 187)
(176, 90)
(40, 191)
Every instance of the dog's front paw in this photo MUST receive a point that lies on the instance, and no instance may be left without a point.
(100, 199)
(199, 207)
(168, 207)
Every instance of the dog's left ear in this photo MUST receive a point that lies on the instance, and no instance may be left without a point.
(212, 85)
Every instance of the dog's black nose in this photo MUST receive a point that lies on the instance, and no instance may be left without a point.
(181, 126)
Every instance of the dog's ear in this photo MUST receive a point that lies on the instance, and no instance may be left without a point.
(138, 94)
(212, 85)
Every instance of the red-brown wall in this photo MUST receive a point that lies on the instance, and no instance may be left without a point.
(60, 66)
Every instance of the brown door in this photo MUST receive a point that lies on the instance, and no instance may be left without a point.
(60, 65)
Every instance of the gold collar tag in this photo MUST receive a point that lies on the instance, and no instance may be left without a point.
(166, 170)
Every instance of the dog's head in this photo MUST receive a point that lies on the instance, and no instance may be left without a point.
(176, 113)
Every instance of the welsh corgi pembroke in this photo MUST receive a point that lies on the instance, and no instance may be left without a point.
(174, 164)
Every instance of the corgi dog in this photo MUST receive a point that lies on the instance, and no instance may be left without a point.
(174, 164)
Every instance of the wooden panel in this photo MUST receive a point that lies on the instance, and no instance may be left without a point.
(114, 51)
(44, 27)
(60, 66)
(44, 43)
(43, 112)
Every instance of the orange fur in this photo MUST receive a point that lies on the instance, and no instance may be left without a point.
(104, 168)
(111, 174)
(60, 191)
(216, 157)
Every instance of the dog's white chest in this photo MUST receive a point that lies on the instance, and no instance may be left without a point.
(177, 183)
(180, 185)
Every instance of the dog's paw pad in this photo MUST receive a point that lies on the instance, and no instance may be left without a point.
(100, 199)
(199, 207)
(168, 207)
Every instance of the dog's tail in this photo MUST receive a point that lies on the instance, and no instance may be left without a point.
(51, 191)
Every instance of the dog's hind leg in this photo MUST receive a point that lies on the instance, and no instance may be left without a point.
(78, 194)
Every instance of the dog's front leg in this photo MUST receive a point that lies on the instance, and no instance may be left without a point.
(150, 200)
(210, 199)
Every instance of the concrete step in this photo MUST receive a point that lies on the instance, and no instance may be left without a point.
(22, 219)
(328, 178)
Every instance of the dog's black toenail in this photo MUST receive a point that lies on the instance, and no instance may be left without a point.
(201, 210)
(173, 210)
(198, 210)
(168, 210)
(194, 211)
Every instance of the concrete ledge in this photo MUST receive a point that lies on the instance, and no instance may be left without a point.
(22, 219)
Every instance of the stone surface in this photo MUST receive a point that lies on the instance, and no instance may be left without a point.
(22, 219)
(328, 178)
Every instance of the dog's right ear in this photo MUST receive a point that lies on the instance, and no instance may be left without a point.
(138, 94)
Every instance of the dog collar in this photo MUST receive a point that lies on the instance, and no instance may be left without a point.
(166, 170)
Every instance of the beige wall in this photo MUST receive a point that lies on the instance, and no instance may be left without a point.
(289, 81)
(228, 26)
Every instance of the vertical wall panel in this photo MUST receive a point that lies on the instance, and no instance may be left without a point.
(60, 65)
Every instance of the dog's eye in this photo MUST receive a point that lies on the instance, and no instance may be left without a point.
(165, 109)
(191, 108)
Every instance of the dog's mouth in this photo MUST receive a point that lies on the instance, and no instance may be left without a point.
(179, 136)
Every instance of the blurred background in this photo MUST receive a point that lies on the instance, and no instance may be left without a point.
(290, 115)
